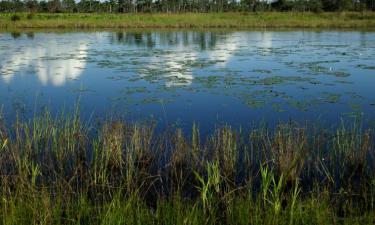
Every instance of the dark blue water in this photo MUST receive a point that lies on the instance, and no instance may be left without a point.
(181, 77)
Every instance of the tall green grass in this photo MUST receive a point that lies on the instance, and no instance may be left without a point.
(190, 20)
(58, 170)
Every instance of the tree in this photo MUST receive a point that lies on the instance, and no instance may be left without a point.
(345, 5)
(54, 6)
(68, 5)
(31, 5)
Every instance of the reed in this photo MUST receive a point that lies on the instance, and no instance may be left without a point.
(58, 170)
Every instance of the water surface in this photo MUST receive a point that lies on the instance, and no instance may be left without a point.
(181, 77)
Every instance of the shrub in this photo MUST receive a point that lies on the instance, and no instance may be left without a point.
(30, 16)
(15, 18)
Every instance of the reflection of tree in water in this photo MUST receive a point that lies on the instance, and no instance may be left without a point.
(30, 35)
(133, 38)
(15, 35)
(205, 40)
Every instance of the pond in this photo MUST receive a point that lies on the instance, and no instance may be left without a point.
(182, 77)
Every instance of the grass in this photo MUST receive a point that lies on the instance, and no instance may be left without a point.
(58, 170)
(190, 20)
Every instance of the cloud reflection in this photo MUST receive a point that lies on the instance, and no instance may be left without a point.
(52, 62)
(55, 59)
(176, 67)
(179, 74)
(225, 50)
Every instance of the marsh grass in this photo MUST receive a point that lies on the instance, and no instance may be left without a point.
(189, 20)
(62, 171)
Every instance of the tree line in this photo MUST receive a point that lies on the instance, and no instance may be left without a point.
(181, 6)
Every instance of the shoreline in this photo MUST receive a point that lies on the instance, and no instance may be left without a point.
(267, 20)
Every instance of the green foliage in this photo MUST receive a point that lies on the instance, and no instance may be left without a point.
(174, 6)
(30, 16)
(193, 20)
(53, 172)
(15, 18)
(3, 144)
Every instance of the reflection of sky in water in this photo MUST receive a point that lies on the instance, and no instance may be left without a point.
(207, 77)
(52, 62)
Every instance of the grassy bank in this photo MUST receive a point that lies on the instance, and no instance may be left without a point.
(190, 20)
(61, 171)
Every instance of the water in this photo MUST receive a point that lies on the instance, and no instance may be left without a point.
(181, 77)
